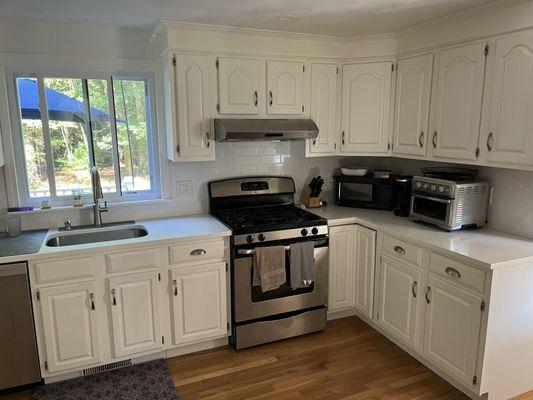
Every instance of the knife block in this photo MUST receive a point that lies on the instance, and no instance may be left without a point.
(307, 200)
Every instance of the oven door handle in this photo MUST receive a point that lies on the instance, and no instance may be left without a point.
(249, 252)
(437, 199)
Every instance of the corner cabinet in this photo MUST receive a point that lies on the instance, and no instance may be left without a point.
(189, 103)
(286, 87)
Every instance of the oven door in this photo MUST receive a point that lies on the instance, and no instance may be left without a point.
(430, 209)
(251, 303)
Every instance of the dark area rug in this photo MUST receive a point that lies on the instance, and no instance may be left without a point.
(146, 381)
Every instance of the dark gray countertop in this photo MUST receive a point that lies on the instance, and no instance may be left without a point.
(27, 242)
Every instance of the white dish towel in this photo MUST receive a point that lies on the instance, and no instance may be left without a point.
(269, 267)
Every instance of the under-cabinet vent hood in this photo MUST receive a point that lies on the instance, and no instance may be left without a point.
(264, 129)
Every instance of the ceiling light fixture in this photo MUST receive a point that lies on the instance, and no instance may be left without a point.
(285, 17)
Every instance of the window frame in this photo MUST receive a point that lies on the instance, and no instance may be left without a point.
(22, 183)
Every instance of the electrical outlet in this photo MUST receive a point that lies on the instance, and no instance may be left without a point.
(184, 188)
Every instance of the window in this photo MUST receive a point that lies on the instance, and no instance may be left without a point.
(69, 124)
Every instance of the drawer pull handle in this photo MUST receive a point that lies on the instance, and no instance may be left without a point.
(271, 97)
(114, 296)
(175, 284)
(198, 252)
(399, 250)
(414, 289)
(453, 272)
(428, 292)
(256, 99)
(91, 296)
(420, 139)
(434, 140)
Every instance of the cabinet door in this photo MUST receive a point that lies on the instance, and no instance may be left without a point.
(459, 86)
(199, 302)
(510, 138)
(413, 90)
(324, 109)
(453, 318)
(238, 85)
(400, 306)
(135, 313)
(70, 326)
(366, 99)
(285, 87)
(341, 267)
(194, 102)
(365, 259)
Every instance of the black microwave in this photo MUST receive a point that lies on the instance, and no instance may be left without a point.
(365, 192)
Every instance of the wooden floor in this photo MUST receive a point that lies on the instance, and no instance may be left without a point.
(349, 360)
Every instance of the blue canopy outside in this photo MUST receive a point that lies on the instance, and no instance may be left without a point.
(60, 106)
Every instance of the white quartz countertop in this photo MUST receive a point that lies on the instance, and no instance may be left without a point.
(483, 247)
(193, 227)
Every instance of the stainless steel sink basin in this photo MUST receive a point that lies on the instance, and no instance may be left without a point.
(95, 235)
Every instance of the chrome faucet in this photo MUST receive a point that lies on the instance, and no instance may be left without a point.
(98, 194)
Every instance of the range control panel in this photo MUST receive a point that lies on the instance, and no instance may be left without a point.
(433, 187)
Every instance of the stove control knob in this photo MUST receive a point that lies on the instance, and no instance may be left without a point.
(249, 238)
(314, 231)
(304, 232)
(261, 237)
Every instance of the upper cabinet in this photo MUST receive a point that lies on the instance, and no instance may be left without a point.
(324, 109)
(413, 93)
(238, 85)
(458, 100)
(366, 98)
(509, 136)
(286, 87)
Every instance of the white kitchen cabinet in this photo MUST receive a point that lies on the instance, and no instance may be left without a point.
(238, 85)
(286, 87)
(458, 100)
(133, 300)
(341, 267)
(413, 93)
(509, 138)
(364, 273)
(399, 304)
(191, 108)
(199, 302)
(69, 326)
(324, 109)
(366, 98)
(452, 329)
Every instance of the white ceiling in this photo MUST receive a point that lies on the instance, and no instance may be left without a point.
(329, 17)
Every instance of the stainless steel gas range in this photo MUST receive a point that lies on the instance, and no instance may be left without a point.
(260, 211)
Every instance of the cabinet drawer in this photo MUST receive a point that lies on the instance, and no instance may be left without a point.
(132, 260)
(402, 250)
(196, 251)
(457, 272)
(64, 270)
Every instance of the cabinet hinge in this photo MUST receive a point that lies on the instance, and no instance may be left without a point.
(178, 149)
(227, 267)
(46, 365)
(38, 295)
(174, 60)
(477, 152)
(392, 67)
(159, 276)
(227, 326)
(162, 340)
(216, 63)
(337, 70)
(334, 146)
(302, 108)
(474, 380)
(482, 306)
(388, 146)
(486, 49)
(303, 69)
(218, 107)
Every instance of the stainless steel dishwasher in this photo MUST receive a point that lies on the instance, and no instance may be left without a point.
(19, 362)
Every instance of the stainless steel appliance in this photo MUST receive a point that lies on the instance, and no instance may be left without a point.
(449, 204)
(365, 192)
(260, 212)
(228, 130)
(19, 363)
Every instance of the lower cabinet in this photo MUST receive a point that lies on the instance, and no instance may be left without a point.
(135, 313)
(69, 326)
(199, 302)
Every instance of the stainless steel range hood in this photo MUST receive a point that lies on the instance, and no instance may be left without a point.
(264, 129)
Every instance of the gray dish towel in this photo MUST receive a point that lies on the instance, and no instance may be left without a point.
(302, 264)
(269, 267)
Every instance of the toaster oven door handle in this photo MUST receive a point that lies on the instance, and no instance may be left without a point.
(437, 199)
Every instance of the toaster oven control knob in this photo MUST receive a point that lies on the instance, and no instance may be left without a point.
(304, 232)
(249, 238)
(314, 231)
(261, 237)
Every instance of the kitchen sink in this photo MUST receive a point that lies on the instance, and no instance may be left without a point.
(95, 235)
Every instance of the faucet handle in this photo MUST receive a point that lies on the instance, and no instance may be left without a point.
(68, 225)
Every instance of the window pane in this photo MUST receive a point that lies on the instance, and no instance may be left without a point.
(132, 109)
(102, 136)
(67, 124)
(32, 134)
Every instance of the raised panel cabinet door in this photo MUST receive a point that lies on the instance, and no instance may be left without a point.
(199, 302)
(285, 87)
(459, 86)
(413, 92)
(510, 136)
(70, 327)
(238, 85)
(341, 267)
(453, 319)
(399, 308)
(324, 83)
(134, 304)
(194, 102)
(365, 262)
(366, 98)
